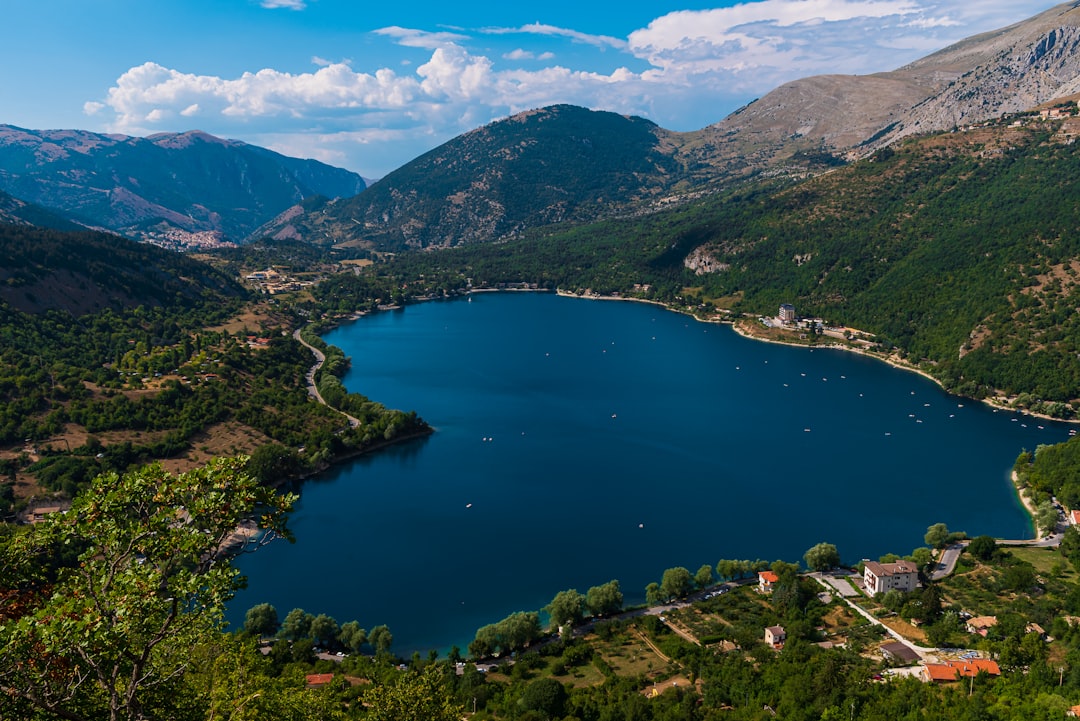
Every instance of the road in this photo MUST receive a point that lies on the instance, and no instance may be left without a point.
(312, 389)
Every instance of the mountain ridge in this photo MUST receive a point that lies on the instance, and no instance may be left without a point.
(187, 188)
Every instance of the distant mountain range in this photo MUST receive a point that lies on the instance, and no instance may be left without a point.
(178, 189)
(566, 164)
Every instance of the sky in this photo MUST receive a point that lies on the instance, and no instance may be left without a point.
(369, 86)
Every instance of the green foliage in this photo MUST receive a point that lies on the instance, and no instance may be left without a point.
(109, 634)
(604, 599)
(567, 608)
(937, 535)
(822, 557)
(1053, 470)
(261, 620)
(676, 583)
(420, 696)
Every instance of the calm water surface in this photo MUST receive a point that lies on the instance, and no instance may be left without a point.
(581, 441)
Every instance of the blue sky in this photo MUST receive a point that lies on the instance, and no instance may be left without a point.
(371, 85)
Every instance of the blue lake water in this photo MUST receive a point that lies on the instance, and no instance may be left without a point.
(583, 441)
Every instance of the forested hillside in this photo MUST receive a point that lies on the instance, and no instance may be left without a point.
(115, 354)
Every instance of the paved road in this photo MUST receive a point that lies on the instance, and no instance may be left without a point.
(947, 562)
(312, 389)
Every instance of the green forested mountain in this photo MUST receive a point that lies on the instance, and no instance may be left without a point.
(539, 167)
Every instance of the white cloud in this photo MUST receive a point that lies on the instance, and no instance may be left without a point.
(420, 38)
(521, 54)
(552, 30)
(287, 4)
(190, 110)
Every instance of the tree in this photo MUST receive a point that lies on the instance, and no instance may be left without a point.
(380, 638)
(352, 636)
(653, 595)
(567, 608)
(109, 635)
(676, 583)
(704, 576)
(604, 599)
(822, 557)
(982, 547)
(545, 695)
(937, 535)
(1046, 517)
(424, 696)
(297, 625)
(261, 620)
(324, 630)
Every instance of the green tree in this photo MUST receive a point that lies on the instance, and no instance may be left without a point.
(352, 636)
(380, 638)
(324, 630)
(604, 599)
(567, 608)
(1046, 517)
(109, 636)
(982, 547)
(545, 695)
(423, 696)
(297, 625)
(704, 576)
(653, 594)
(937, 535)
(676, 583)
(822, 557)
(261, 620)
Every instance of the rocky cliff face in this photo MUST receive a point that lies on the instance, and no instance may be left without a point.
(978, 79)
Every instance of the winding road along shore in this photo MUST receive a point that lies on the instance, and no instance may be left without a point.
(309, 378)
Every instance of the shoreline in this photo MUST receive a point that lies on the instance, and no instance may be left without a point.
(1028, 505)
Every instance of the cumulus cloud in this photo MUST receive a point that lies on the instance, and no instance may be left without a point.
(684, 70)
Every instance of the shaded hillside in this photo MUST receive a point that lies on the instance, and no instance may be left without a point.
(546, 166)
(18, 212)
(85, 272)
(163, 186)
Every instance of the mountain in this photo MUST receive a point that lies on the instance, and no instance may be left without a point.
(566, 164)
(557, 164)
(981, 78)
(18, 212)
(84, 272)
(181, 188)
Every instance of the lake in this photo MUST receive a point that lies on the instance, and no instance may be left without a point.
(582, 441)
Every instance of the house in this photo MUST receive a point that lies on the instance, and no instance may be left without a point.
(1036, 629)
(766, 580)
(953, 670)
(775, 636)
(1074, 517)
(787, 313)
(981, 624)
(900, 652)
(1073, 712)
(882, 577)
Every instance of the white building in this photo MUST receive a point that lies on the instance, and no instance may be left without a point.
(881, 577)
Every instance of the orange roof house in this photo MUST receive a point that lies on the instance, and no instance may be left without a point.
(952, 670)
(765, 580)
